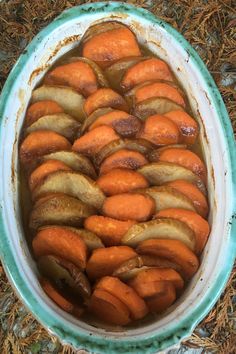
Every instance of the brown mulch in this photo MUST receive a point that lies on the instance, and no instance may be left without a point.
(210, 27)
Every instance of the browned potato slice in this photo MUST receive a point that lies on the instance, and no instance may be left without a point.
(100, 28)
(132, 267)
(60, 123)
(93, 116)
(141, 145)
(153, 156)
(155, 105)
(59, 210)
(74, 184)
(70, 100)
(158, 173)
(169, 229)
(116, 71)
(74, 160)
(130, 95)
(166, 197)
(91, 240)
(65, 274)
(102, 81)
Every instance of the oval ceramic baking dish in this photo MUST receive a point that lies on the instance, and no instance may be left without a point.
(217, 140)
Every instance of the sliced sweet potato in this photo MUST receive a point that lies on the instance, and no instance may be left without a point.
(93, 117)
(160, 130)
(158, 173)
(120, 180)
(158, 89)
(155, 105)
(193, 193)
(187, 125)
(109, 308)
(116, 71)
(149, 288)
(104, 261)
(60, 242)
(173, 250)
(169, 229)
(105, 97)
(133, 266)
(65, 275)
(168, 197)
(60, 300)
(154, 155)
(199, 225)
(185, 158)
(71, 183)
(107, 47)
(140, 145)
(92, 142)
(109, 230)
(44, 170)
(160, 302)
(70, 100)
(77, 74)
(39, 143)
(40, 109)
(60, 123)
(146, 70)
(91, 240)
(129, 206)
(74, 160)
(59, 209)
(124, 293)
(122, 122)
(101, 79)
(100, 28)
(123, 159)
(153, 275)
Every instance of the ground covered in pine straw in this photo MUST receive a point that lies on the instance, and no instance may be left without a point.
(210, 27)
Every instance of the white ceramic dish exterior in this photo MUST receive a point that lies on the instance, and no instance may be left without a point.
(58, 38)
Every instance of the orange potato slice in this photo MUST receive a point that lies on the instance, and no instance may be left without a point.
(40, 109)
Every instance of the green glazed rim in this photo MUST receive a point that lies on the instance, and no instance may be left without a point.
(175, 332)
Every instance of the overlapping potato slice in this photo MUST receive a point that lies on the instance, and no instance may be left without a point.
(61, 210)
(160, 302)
(41, 142)
(167, 197)
(60, 242)
(65, 274)
(160, 130)
(91, 240)
(74, 160)
(73, 184)
(60, 300)
(109, 308)
(93, 141)
(124, 293)
(70, 100)
(104, 261)
(146, 70)
(140, 145)
(133, 266)
(160, 229)
(159, 88)
(113, 42)
(60, 123)
(154, 155)
(40, 109)
(101, 78)
(105, 97)
(108, 229)
(116, 71)
(155, 105)
(158, 173)
(173, 250)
